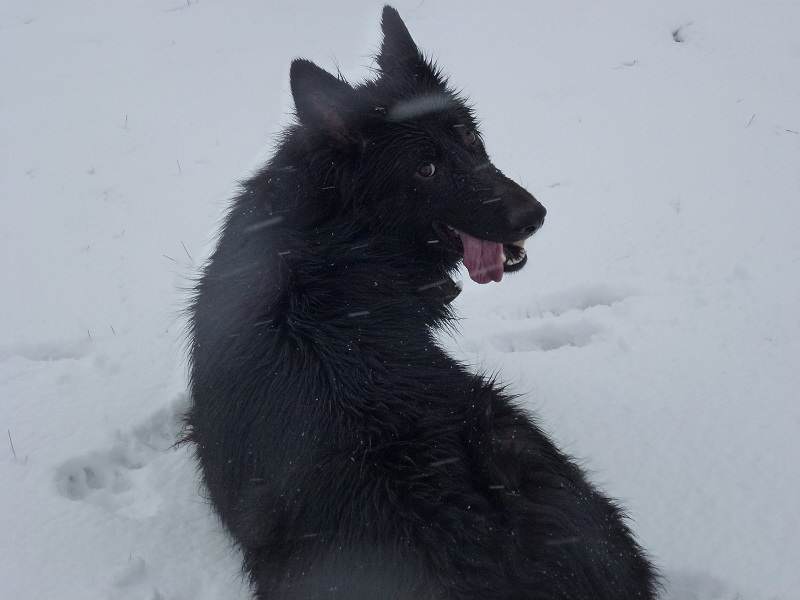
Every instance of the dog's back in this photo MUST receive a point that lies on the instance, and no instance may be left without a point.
(348, 455)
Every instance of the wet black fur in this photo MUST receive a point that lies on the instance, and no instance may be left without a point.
(348, 455)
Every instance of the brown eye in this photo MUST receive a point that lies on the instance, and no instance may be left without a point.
(426, 170)
(470, 137)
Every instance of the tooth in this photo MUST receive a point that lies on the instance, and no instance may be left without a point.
(515, 260)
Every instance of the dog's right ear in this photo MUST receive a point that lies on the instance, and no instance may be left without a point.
(322, 101)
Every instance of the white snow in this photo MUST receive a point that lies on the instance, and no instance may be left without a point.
(656, 328)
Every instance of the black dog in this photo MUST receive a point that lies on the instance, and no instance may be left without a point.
(349, 456)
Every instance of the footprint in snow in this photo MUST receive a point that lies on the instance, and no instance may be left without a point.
(682, 33)
(134, 581)
(116, 478)
(691, 585)
(47, 351)
(578, 298)
(553, 321)
(546, 337)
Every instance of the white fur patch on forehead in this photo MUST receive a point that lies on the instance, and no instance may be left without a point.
(419, 106)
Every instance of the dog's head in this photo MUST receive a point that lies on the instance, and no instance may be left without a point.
(406, 159)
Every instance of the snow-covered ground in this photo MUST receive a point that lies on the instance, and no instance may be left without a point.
(656, 329)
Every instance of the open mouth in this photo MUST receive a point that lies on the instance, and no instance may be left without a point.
(485, 260)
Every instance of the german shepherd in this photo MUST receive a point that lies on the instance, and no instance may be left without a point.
(349, 456)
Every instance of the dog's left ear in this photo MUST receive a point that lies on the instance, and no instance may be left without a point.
(399, 56)
(322, 101)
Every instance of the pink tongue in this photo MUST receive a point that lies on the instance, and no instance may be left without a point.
(484, 260)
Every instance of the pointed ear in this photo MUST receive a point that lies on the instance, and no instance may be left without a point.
(399, 55)
(322, 100)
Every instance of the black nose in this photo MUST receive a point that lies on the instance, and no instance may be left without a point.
(528, 218)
